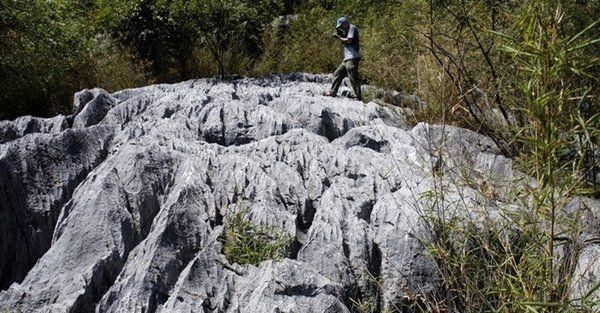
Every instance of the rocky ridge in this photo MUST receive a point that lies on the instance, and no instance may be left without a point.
(118, 207)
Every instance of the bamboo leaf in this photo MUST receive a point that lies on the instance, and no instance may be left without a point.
(583, 45)
(582, 32)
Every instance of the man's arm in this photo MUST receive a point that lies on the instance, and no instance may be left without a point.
(348, 39)
(345, 40)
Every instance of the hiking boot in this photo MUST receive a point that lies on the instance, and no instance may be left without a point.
(354, 97)
(329, 94)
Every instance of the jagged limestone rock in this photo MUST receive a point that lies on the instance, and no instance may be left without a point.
(38, 175)
(118, 208)
(11, 130)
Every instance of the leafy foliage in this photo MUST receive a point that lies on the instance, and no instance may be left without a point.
(165, 32)
(301, 44)
(159, 35)
(50, 49)
(559, 126)
(231, 27)
(41, 55)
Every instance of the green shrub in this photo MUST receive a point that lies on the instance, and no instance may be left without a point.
(51, 49)
(303, 45)
(42, 47)
(247, 243)
(113, 68)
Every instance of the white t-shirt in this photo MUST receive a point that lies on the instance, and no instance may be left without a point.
(352, 50)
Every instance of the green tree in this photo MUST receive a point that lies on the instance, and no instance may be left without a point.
(163, 36)
(169, 31)
(230, 28)
(43, 45)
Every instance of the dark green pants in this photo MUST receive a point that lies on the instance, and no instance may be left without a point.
(347, 68)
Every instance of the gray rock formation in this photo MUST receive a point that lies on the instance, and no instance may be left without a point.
(119, 207)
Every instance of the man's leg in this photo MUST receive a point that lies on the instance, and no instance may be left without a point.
(338, 77)
(352, 68)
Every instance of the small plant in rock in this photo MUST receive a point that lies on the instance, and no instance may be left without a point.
(247, 243)
(371, 300)
(363, 305)
(371, 94)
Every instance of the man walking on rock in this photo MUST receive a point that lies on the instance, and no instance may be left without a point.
(348, 35)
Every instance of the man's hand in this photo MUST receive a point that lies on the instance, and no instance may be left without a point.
(342, 39)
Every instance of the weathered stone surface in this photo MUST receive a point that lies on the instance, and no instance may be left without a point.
(121, 211)
(91, 107)
(280, 286)
(11, 130)
(587, 269)
(38, 174)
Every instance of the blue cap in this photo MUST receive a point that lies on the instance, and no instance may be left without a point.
(340, 21)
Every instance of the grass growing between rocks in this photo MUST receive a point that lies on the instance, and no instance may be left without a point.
(497, 261)
(371, 302)
(247, 243)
